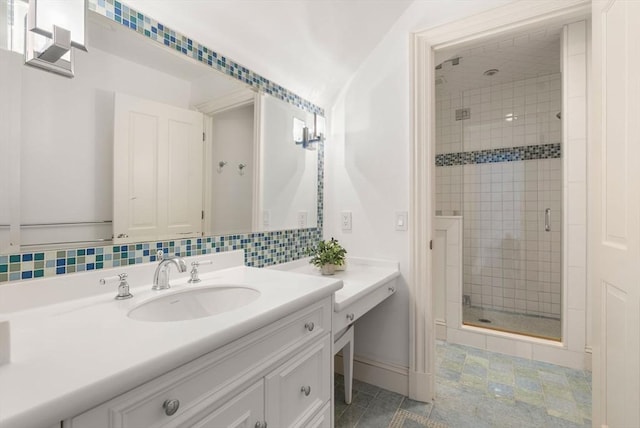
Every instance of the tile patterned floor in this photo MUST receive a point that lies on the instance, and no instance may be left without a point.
(475, 388)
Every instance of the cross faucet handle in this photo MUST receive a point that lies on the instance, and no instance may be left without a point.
(194, 270)
(123, 286)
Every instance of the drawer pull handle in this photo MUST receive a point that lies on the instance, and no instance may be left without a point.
(350, 316)
(306, 390)
(392, 289)
(309, 326)
(261, 424)
(170, 406)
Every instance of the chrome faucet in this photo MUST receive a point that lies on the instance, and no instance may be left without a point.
(161, 276)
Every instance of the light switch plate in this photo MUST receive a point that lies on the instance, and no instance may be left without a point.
(345, 220)
(402, 220)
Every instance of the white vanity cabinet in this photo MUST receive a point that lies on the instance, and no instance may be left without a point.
(279, 375)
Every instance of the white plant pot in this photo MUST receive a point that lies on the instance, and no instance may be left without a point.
(328, 269)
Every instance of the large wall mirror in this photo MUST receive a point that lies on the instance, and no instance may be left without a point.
(142, 144)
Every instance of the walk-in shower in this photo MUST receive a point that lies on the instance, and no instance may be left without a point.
(499, 167)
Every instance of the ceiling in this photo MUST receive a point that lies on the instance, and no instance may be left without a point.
(312, 47)
(517, 57)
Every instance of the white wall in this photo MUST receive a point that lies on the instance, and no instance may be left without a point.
(232, 199)
(367, 169)
(289, 173)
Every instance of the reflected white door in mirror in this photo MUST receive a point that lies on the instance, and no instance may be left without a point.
(157, 171)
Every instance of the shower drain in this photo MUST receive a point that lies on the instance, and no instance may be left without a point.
(484, 320)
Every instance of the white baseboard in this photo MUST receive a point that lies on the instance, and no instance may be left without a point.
(383, 375)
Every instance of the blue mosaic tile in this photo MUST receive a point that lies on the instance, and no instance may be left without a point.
(261, 249)
(509, 154)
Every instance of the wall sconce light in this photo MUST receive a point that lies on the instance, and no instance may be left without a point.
(53, 28)
(304, 136)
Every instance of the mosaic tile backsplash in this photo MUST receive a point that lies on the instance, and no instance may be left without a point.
(261, 249)
(162, 34)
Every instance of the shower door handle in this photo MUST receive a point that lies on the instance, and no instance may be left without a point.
(547, 220)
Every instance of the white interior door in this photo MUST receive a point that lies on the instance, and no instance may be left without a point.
(157, 171)
(614, 214)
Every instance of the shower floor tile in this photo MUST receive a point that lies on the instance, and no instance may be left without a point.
(530, 325)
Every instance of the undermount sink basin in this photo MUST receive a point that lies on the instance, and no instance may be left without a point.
(194, 303)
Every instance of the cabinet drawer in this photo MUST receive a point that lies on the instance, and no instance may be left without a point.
(300, 387)
(244, 410)
(322, 419)
(204, 382)
(348, 315)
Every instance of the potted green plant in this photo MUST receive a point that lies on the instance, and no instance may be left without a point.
(328, 255)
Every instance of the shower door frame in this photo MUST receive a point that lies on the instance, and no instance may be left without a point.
(513, 16)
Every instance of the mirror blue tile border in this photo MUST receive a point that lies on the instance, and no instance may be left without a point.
(153, 30)
(261, 249)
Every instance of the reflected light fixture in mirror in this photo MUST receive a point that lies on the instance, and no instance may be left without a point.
(53, 28)
(304, 136)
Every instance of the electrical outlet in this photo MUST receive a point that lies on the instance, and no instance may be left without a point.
(302, 219)
(345, 220)
(266, 218)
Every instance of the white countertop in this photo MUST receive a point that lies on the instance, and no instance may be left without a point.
(361, 277)
(70, 356)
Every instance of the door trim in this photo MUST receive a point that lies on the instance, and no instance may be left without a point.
(236, 99)
(519, 15)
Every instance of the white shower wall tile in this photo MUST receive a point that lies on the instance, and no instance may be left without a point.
(509, 261)
(506, 115)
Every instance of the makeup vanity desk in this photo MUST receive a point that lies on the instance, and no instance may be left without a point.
(366, 283)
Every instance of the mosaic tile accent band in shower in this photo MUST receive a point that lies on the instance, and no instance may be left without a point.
(509, 154)
(160, 33)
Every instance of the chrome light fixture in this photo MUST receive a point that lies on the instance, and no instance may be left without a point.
(304, 136)
(53, 27)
